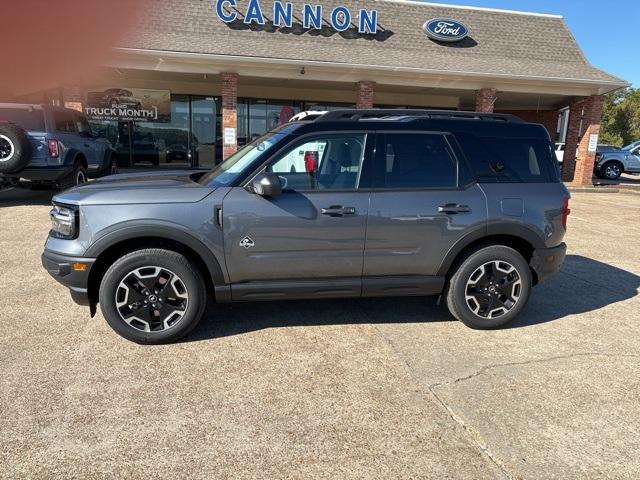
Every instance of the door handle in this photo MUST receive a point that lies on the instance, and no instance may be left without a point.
(338, 211)
(453, 208)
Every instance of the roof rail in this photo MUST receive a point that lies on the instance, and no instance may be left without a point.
(380, 113)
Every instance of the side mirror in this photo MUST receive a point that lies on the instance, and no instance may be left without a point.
(267, 184)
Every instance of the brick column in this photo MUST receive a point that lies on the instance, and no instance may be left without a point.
(584, 120)
(229, 111)
(365, 91)
(485, 99)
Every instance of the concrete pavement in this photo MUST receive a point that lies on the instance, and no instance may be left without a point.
(379, 388)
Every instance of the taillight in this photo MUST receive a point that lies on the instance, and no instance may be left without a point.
(54, 148)
(565, 211)
(311, 161)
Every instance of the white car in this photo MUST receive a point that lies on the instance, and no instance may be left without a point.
(307, 116)
(560, 152)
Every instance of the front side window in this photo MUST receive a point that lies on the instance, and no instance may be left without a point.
(415, 160)
(325, 162)
(82, 125)
(64, 122)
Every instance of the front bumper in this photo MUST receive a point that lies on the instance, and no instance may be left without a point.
(60, 267)
(547, 261)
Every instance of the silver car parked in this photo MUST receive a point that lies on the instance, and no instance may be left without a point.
(611, 163)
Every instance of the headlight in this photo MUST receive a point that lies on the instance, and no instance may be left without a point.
(64, 222)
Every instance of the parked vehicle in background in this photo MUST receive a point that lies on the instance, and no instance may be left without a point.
(612, 162)
(356, 203)
(115, 98)
(559, 151)
(307, 116)
(45, 144)
(178, 153)
(603, 147)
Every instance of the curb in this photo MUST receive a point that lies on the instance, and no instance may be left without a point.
(604, 189)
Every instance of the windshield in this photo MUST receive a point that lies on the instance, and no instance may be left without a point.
(232, 168)
(631, 146)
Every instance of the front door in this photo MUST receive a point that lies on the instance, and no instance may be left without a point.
(419, 209)
(313, 233)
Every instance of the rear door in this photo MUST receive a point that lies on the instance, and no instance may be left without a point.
(422, 203)
(87, 143)
(633, 161)
(313, 231)
(66, 132)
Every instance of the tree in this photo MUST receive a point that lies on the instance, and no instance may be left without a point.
(621, 117)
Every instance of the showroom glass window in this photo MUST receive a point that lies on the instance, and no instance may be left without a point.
(323, 162)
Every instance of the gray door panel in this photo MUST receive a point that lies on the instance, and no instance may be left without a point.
(408, 235)
(289, 237)
(633, 163)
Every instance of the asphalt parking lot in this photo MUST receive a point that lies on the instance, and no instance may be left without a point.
(383, 388)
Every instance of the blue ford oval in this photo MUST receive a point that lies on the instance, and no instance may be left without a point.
(445, 30)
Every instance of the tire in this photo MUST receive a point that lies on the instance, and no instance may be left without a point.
(182, 307)
(78, 176)
(612, 170)
(482, 302)
(15, 148)
(113, 167)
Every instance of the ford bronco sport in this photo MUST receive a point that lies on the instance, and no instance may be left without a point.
(355, 203)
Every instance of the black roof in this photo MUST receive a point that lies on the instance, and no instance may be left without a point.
(481, 124)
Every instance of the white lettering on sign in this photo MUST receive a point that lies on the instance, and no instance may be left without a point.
(593, 142)
(444, 28)
(340, 18)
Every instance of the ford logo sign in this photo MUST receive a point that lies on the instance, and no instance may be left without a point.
(445, 30)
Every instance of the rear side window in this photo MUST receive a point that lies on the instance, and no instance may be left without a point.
(64, 122)
(510, 160)
(32, 121)
(414, 160)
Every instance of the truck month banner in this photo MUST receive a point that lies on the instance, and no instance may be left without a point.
(129, 104)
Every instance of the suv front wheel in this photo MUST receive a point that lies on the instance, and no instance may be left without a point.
(152, 296)
(489, 288)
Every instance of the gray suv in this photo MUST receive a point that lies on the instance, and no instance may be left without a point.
(46, 144)
(355, 203)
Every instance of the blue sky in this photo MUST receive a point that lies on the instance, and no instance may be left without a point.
(607, 31)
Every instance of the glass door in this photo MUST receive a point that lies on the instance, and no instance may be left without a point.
(203, 131)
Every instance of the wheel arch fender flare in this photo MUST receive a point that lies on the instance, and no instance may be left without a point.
(511, 230)
(73, 155)
(159, 231)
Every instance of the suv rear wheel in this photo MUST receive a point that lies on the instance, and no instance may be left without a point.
(15, 148)
(489, 288)
(152, 296)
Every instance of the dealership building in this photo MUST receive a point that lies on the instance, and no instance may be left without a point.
(229, 70)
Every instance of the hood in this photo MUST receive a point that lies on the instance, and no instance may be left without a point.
(138, 188)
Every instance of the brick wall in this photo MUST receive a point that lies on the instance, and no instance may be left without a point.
(229, 110)
(485, 99)
(365, 91)
(548, 118)
(584, 120)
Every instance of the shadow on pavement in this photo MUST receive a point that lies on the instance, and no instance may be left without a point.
(624, 179)
(17, 196)
(584, 285)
